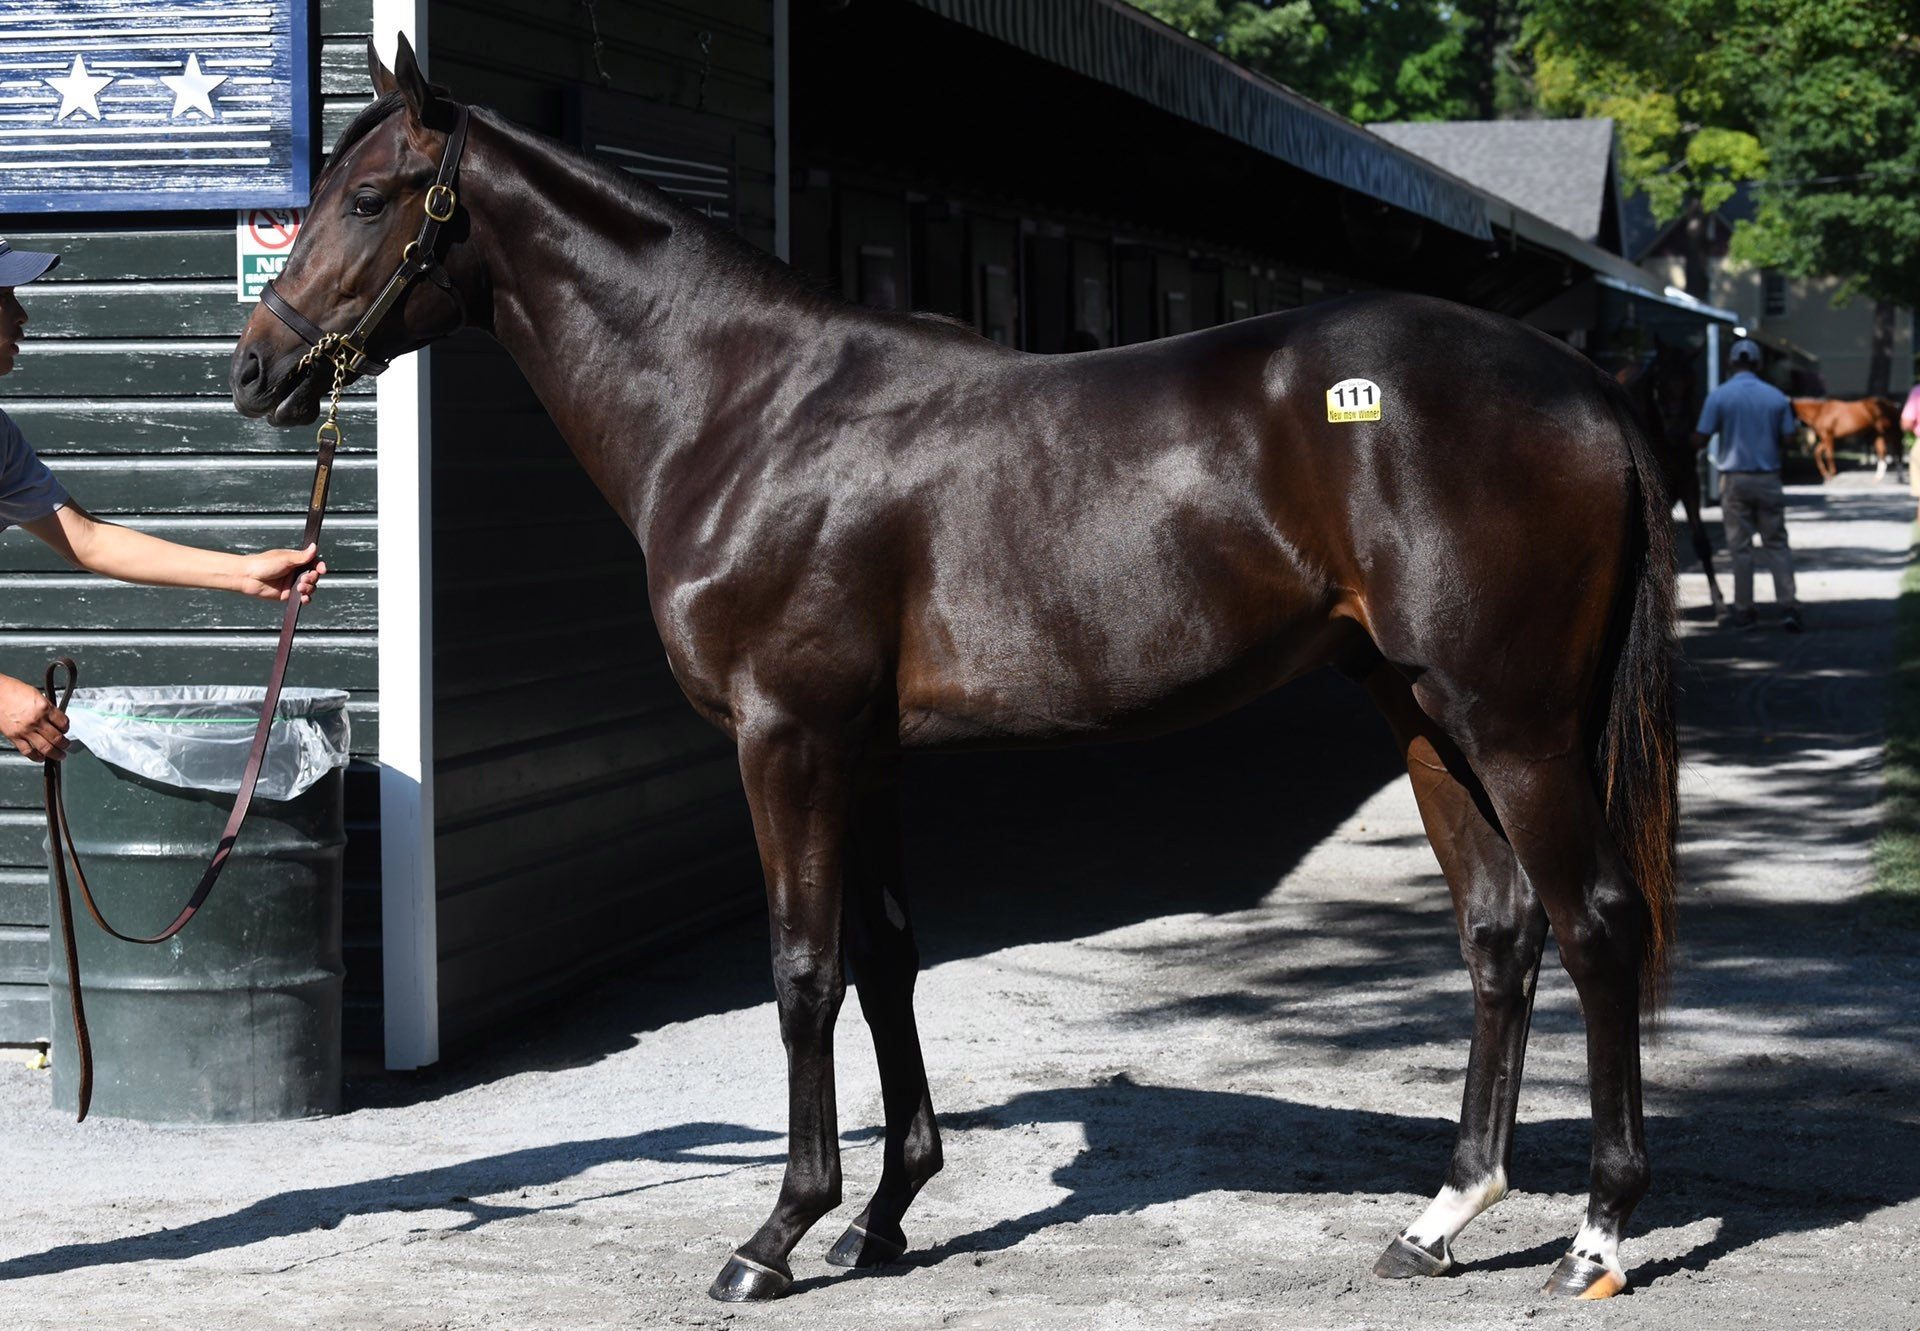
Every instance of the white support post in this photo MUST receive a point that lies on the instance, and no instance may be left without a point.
(408, 900)
(782, 131)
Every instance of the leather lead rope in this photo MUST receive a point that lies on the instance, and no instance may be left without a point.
(347, 353)
(60, 845)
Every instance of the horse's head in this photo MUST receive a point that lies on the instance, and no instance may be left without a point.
(363, 221)
(1670, 380)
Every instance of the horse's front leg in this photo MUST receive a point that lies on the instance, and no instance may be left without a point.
(797, 782)
(884, 962)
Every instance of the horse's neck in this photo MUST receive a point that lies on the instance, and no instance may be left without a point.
(622, 313)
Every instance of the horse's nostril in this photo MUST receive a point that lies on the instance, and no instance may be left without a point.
(250, 369)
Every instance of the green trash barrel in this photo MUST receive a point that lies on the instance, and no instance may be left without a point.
(236, 1019)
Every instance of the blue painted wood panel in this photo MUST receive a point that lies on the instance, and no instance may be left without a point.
(154, 104)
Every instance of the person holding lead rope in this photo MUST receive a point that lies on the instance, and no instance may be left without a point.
(33, 498)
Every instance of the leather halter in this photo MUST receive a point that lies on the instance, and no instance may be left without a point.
(348, 351)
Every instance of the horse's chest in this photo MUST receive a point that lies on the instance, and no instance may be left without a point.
(691, 618)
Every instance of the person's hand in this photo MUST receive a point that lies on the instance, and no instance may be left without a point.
(37, 728)
(271, 573)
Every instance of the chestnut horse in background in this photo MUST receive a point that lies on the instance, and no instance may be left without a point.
(1832, 419)
(1665, 389)
(868, 532)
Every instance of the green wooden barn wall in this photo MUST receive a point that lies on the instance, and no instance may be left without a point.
(121, 385)
(583, 813)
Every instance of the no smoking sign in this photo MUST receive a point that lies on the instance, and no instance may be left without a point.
(262, 239)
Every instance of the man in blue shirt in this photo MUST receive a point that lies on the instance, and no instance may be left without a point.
(33, 498)
(1752, 418)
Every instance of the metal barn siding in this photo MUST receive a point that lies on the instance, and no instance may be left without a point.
(122, 386)
(582, 812)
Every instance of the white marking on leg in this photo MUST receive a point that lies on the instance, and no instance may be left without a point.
(1596, 1246)
(1454, 1209)
(895, 916)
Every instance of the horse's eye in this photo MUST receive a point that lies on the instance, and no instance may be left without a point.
(367, 205)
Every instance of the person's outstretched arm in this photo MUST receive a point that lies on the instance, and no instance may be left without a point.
(131, 556)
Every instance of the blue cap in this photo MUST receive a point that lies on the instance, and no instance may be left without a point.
(1745, 349)
(19, 267)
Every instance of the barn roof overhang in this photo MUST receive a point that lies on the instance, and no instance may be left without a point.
(1643, 290)
(1126, 49)
(1113, 43)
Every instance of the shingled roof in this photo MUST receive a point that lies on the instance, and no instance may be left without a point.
(1559, 170)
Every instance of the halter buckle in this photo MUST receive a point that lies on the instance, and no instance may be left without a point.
(439, 193)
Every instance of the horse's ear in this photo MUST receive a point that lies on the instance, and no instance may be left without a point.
(413, 86)
(378, 72)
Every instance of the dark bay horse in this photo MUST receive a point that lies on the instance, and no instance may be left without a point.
(866, 532)
(1833, 419)
(1664, 388)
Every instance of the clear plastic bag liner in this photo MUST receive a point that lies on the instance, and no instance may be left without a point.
(198, 736)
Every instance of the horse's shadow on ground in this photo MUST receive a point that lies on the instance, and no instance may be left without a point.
(1200, 1141)
(1009, 848)
(1148, 1145)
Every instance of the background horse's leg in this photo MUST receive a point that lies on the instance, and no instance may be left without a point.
(797, 785)
(885, 962)
(1702, 542)
(1559, 831)
(1823, 457)
(1502, 930)
(1880, 457)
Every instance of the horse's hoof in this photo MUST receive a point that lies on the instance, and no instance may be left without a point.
(860, 1247)
(1578, 1278)
(743, 1280)
(1404, 1259)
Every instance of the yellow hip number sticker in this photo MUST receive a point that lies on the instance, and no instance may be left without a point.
(1353, 400)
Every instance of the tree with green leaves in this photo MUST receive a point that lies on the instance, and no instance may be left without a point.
(1372, 59)
(1839, 113)
(1681, 98)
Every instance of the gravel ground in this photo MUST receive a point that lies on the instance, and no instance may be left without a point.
(1196, 1027)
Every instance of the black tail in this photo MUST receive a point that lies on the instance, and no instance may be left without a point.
(1637, 757)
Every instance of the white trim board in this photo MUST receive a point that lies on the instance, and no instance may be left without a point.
(409, 908)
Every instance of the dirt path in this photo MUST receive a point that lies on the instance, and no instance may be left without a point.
(1174, 1094)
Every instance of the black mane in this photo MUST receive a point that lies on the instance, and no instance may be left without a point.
(733, 250)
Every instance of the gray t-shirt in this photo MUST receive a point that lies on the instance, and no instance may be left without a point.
(28, 491)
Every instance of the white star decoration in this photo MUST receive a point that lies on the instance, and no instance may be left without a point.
(79, 91)
(192, 89)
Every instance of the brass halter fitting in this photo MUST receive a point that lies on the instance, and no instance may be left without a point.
(441, 201)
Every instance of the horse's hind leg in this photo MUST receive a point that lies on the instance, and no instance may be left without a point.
(885, 962)
(1823, 458)
(1558, 829)
(798, 788)
(1502, 930)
